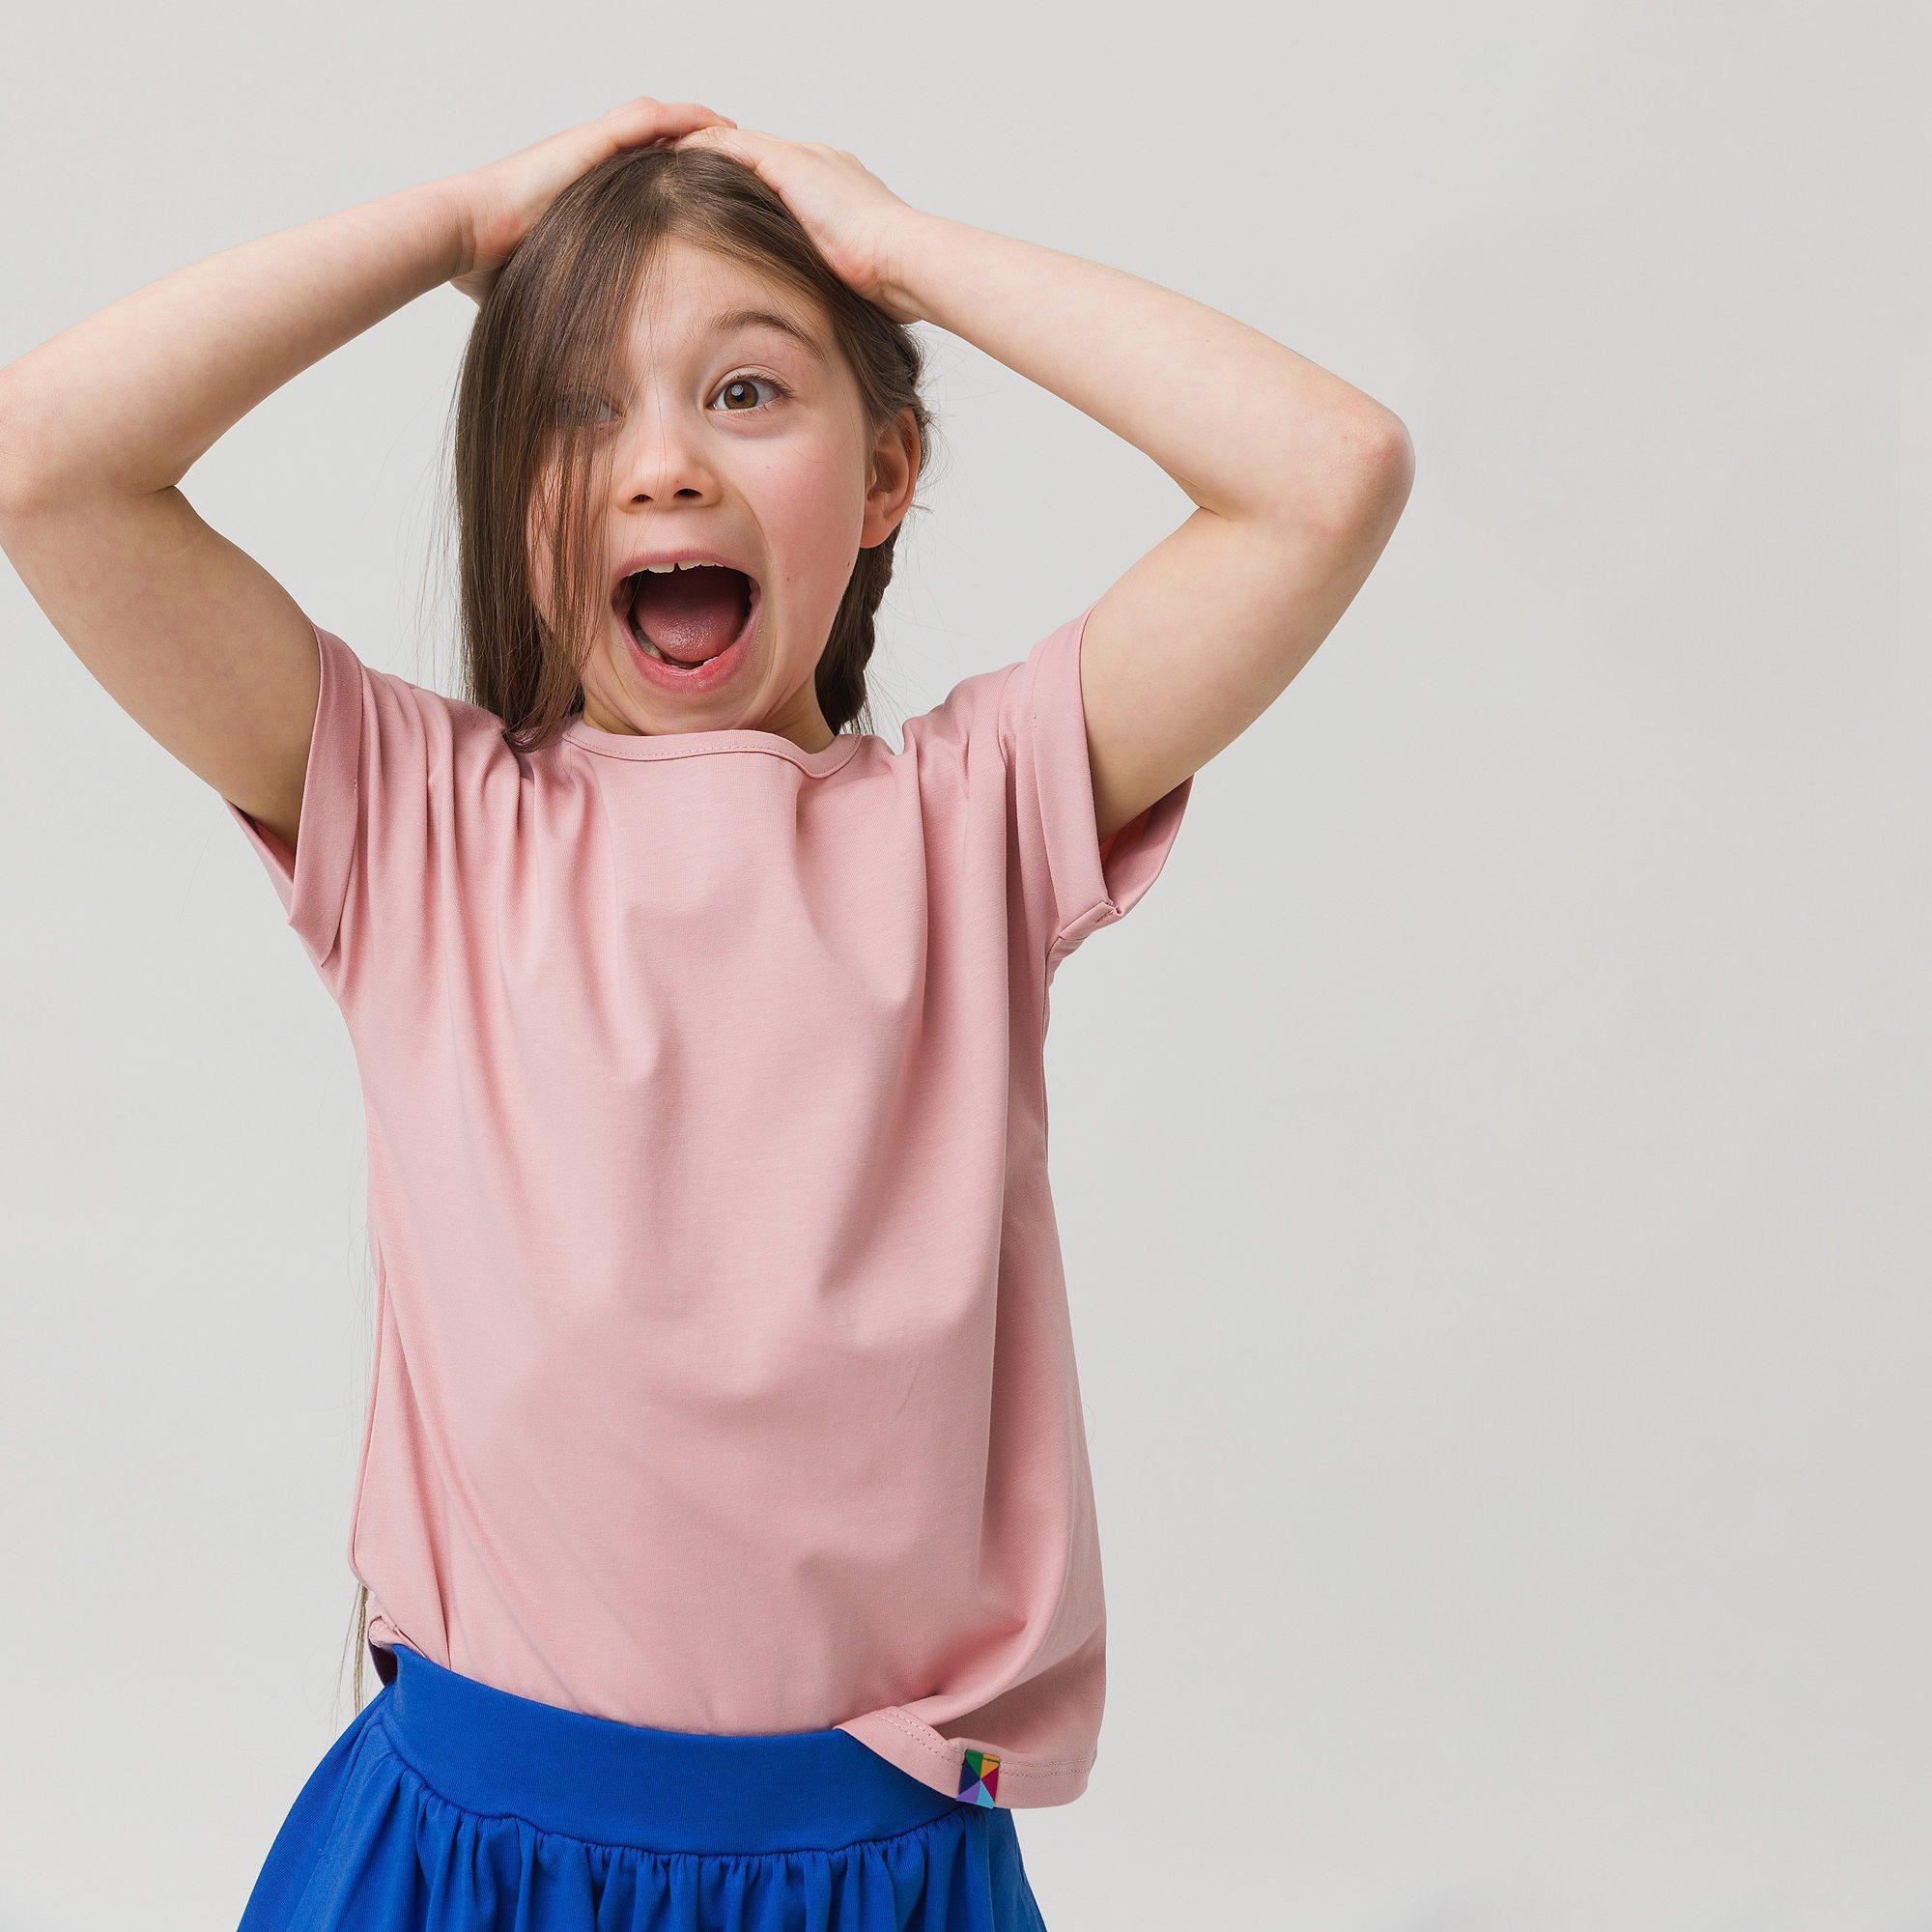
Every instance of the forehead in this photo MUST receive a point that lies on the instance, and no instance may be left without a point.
(691, 299)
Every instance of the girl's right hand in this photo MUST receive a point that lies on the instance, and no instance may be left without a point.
(503, 201)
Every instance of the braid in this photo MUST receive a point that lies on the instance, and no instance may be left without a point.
(848, 650)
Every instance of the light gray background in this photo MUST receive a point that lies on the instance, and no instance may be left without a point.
(1490, 1161)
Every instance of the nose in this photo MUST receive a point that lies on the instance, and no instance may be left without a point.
(662, 458)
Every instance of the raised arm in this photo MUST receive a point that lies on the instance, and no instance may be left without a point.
(191, 636)
(198, 644)
(1297, 476)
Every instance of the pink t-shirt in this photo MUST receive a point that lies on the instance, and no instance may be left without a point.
(723, 1379)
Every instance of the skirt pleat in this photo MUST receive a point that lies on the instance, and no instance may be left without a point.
(448, 1805)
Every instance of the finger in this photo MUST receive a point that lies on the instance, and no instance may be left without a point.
(747, 144)
(647, 119)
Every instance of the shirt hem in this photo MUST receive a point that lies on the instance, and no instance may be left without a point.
(922, 1753)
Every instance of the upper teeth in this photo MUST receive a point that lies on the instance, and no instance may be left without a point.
(687, 563)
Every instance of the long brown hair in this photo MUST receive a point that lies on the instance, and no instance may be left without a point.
(547, 330)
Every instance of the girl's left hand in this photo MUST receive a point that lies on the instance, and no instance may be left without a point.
(853, 218)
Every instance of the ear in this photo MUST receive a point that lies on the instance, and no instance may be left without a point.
(893, 476)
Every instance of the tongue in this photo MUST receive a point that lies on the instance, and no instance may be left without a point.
(690, 614)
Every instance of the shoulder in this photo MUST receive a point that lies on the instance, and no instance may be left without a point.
(408, 721)
(976, 710)
(1024, 708)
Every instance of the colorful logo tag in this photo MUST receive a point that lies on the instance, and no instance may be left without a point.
(979, 1777)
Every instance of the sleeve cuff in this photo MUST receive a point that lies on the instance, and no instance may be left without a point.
(1091, 887)
(313, 883)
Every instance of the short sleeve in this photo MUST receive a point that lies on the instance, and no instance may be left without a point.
(366, 833)
(1004, 769)
(1078, 884)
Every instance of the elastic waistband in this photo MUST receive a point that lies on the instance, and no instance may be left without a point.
(493, 1752)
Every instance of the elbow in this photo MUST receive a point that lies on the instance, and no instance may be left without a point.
(1381, 468)
(1398, 452)
(20, 490)
(1352, 481)
(32, 478)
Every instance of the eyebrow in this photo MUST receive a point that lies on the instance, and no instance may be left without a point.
(764, 318)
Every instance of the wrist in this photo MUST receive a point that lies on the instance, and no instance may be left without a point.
(907, 248)
(450, 208)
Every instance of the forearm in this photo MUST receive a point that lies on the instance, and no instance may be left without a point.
(126, 401)
(1245, 426)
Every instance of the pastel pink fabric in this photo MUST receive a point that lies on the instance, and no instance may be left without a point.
(725, 1379)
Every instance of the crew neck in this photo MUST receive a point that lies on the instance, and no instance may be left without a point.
(695, 744)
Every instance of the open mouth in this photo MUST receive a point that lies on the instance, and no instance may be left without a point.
(686, 616)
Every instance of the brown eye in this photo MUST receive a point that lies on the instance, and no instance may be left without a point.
(738, 387)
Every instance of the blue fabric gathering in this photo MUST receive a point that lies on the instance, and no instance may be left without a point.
(450, 1806)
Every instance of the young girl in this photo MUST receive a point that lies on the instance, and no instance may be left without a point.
(724, 1510)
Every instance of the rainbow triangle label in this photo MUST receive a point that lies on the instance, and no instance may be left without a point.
(979, 1777)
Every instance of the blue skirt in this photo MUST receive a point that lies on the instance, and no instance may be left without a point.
(449, 1805)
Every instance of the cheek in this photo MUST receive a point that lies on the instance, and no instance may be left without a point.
(813, 508)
